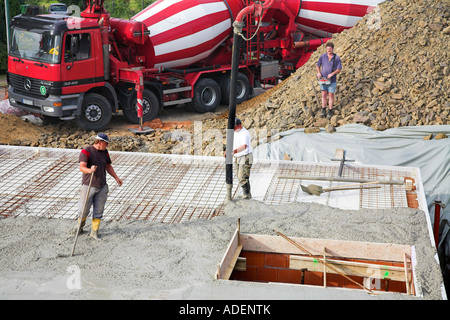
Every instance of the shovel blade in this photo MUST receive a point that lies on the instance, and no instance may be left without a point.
(305, 189)
(312, 189)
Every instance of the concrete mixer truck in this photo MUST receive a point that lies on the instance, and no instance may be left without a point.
(173, 52)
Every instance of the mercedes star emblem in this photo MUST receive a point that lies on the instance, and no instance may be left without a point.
(27, 84)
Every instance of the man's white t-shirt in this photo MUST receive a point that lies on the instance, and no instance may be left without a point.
(240, 138)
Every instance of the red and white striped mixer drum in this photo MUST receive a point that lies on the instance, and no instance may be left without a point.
(324, 17)
(185, 32)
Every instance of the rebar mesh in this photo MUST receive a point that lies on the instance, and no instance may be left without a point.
(45, 182)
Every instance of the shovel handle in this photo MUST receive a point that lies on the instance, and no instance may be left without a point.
(350, 188)
(356, 184)
(80, 219)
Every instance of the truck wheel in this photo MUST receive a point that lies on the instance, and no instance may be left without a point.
(150, 107)
(189, 107)
(242, 89)
(96, 112)
(206, 95)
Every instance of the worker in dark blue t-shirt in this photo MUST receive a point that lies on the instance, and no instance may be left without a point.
(331, 65)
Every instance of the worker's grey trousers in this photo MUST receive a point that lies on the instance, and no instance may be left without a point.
(97, 199)
(243, 166)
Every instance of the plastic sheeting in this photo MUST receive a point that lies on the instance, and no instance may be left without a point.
(402, 146)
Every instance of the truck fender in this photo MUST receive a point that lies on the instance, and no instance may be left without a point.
(157, 89)
(79, 104)
(107, 91)
(124, 96)
(112, 97)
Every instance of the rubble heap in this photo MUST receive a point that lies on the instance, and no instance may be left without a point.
(395, 73)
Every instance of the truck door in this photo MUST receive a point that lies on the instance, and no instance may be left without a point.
(78, 72)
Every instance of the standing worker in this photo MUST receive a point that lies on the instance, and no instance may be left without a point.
(243, 155)
(95, 160)
(331, 66)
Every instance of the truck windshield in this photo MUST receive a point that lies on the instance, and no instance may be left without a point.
(35, 45)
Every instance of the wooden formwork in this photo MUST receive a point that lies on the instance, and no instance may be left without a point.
(374, 267)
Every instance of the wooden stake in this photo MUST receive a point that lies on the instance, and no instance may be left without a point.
(406, 274)
(324, 268)
(239, 231)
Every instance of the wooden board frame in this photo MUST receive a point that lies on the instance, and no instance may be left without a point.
(226, 266)
(333, 249)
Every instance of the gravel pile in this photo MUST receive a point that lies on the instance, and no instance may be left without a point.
(395, 73)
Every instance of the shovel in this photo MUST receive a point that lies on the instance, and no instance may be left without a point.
(318, 190)
(79, 221)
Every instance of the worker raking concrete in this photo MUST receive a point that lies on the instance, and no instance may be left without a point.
(94, 160)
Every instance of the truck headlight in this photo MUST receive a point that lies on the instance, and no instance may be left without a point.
(49, 109)
(12, 100)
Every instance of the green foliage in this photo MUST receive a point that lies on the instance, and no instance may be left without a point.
(3, 58)
(14, 9)
(124, 9)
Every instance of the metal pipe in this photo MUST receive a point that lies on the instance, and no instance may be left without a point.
(237, 30)
(7, 20)
(310, 43)
(232, 108)
(396, 182)
(192, 70)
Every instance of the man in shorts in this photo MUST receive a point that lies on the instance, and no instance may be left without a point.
(331, 65)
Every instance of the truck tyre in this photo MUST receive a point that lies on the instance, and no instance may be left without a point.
(206, 95)
(189, 107)
(150, 107)
(96, 112)
(242, 89)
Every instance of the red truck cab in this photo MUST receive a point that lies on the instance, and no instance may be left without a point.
(54, 61)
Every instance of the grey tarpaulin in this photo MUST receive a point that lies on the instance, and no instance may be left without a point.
(402, 146)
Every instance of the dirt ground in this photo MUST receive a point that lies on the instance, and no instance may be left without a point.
(15, 130)
(12, 127)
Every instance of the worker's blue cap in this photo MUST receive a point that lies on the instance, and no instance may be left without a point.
(237, 121)
(102, 136)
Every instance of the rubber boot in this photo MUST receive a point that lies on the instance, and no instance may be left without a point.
(95, 227)
(246, 190)
(75, 229)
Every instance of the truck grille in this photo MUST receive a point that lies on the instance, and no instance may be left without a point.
(29, 86)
